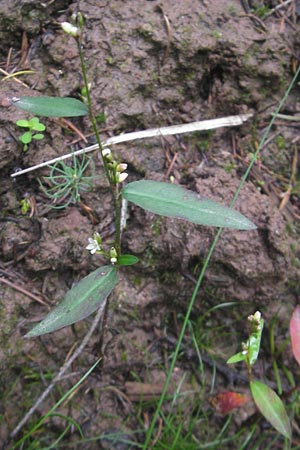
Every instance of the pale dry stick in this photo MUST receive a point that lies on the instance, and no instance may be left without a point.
(287, 194)
(23, 291)
(60, 374)
(14, 75)
(169, 34)
(158, 434)
(123, 214)
(8, 59)
(171, 165)
(70, 125)
(211, 124)
(295, 118)
(270, 139)
(278, 7)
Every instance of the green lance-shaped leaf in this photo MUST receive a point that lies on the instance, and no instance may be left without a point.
(82, 300)
(51, 106)
(127, 260)
(271, 407)
(174, 201)
(238, 357)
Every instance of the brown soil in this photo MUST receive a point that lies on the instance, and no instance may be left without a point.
(217, 61)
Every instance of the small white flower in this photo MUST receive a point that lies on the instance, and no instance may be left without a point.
(256, 317)
(121, 176)
(70, 29)
(106, 152)
(121, 167)
(93, 246)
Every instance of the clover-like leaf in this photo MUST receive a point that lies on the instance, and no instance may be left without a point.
(22, 123)
(26, 137)
(38, 136)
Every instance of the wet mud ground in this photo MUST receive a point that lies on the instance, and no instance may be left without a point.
(150, 64)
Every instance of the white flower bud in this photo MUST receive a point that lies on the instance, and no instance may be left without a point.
(106, 152)
(121, 167)
(70, 29)
(121, 177)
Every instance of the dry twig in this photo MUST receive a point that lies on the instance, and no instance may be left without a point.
(211, 124)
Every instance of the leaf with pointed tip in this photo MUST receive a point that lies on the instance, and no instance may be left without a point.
(271, 407)
(174, 201)
(295, 333)
(237, 358)
(51, 106)
(82, 300)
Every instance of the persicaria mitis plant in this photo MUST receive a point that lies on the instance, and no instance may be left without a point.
(165, 199)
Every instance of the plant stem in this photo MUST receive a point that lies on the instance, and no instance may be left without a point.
(113, 187)
(118, 206)
(91, 114)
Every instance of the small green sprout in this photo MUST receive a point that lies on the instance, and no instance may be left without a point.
(67, 182)
(266, 400)
(250, 349)
(25, 206)
(33, 125)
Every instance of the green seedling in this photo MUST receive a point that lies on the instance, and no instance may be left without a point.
(25, 206)
(266, 400)
(68, 182)
(33, 125)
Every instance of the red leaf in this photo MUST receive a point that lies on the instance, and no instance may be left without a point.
(295, 333)
(224, 402)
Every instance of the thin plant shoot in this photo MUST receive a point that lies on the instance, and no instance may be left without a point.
(266, 400)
